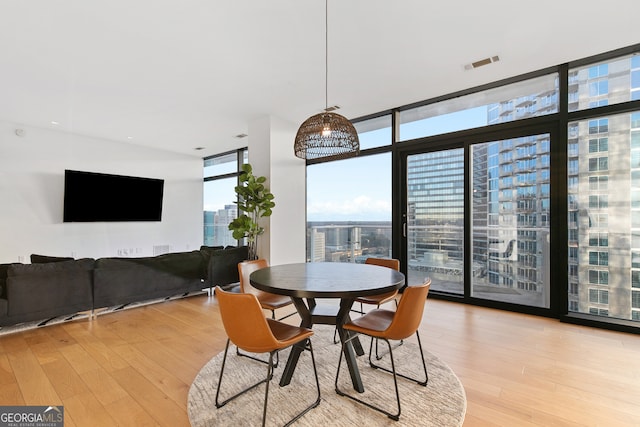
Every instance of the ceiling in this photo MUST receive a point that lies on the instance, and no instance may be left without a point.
(177, 75)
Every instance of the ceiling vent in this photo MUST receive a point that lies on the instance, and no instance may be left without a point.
(482, 62)
(241, 135)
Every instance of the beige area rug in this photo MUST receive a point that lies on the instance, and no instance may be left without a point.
(441, 403)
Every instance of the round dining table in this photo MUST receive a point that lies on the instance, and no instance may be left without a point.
(306, 282)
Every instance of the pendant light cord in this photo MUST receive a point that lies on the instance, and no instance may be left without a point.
(326, 55)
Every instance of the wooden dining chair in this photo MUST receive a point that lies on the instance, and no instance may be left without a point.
(390, 325)
(247, 328)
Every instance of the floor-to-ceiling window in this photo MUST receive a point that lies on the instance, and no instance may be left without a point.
(220, 178)
(349, 209)
(603, 190)
(523, 194)
(349, 201)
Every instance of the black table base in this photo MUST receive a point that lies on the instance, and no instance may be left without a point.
(311, 314)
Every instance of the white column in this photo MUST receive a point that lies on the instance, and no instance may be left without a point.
(271, 155)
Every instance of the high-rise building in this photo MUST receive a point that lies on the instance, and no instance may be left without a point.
(604, 192)
(216, 226)
(317, 246)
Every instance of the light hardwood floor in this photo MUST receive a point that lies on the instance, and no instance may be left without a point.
(134, 367)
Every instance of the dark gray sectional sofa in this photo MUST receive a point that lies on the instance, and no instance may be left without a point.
(52, 287)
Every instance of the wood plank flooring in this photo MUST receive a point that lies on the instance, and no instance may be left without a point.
(134, 367)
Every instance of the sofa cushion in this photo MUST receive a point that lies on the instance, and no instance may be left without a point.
(206, 252)
(50, 289)
(39, 259)
(189, 265)
(222, 268)
(50, 267)
(125, 280)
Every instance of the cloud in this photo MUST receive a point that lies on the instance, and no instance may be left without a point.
(358, 208)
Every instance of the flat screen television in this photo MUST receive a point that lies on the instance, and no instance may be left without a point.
(100, 197)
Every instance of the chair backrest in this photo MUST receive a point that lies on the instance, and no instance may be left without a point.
(385, 262)
(245, 268)
(409, 312)
(244, 322)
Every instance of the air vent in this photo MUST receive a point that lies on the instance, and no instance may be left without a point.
(482, 62)
(241, 135)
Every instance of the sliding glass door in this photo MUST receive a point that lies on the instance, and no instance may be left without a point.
(510, 205)
(434, 223)
(507, 205)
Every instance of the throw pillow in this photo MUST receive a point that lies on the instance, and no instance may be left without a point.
(40, 259)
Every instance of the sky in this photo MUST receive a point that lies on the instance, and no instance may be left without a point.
(359, 189)
(356, 189)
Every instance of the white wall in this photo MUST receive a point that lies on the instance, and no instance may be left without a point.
(32, 193)
(271, 155)
(288, 178)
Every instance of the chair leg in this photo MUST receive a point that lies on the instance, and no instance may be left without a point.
(395, 416)
(224, 360)
(315, 373)
(266, 389)
(424, 365)
(288, 315)
(335, 336)
(248, 356)
(361, 312)
(378, 356)
(267, 380)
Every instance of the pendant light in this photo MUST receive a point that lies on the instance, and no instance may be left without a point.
(326, 135)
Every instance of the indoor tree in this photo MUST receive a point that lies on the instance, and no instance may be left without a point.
(254, 201)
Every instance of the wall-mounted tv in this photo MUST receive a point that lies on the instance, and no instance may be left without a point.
(99, 197)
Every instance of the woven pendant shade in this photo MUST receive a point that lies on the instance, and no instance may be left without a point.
(328, 136)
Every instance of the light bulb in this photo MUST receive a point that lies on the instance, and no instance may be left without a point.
(326, 126)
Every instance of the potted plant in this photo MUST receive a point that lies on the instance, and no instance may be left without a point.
(255, 201)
